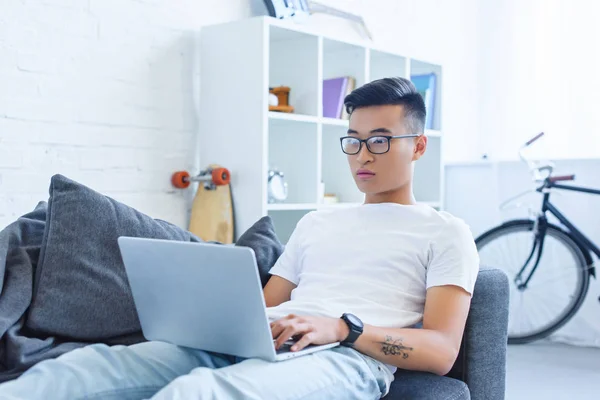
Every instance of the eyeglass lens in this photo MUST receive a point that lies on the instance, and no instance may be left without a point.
(375, 144)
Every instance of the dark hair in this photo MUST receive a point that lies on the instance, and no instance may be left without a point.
(392, 91)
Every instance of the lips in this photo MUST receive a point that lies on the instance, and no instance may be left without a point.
(365, 174)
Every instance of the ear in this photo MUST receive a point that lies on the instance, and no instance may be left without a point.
(420, 147)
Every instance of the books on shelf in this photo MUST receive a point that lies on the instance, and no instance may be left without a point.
(334, 92)
(425, 85)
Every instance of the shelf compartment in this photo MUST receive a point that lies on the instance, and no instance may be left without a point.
(420, 68)
(291, 206)
(344, 60)
(427, 178)
(386, 65)
(336, 175)
(293, 62)
(285, 221)
(293, 151)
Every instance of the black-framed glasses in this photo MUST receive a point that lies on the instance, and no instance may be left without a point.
(375, 144)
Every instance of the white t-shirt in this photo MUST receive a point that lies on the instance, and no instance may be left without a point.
(375, 261)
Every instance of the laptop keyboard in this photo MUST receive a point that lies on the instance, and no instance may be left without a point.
(285, 347)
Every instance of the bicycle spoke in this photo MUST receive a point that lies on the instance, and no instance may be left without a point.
(546, 279)
(555, 287)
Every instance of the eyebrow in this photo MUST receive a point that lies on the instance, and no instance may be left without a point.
(378, 130)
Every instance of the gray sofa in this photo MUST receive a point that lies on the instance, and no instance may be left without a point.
(480, 370)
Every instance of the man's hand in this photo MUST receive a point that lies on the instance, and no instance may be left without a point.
(310, 330)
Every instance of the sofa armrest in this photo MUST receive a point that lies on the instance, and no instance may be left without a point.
(482, 361)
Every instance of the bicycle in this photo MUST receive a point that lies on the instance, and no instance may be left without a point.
(558, 255)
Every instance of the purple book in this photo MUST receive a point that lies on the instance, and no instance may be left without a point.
(333, 96)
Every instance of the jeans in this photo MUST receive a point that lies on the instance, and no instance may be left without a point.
(160, 370)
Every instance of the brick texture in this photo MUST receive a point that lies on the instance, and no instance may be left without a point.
(101, 91)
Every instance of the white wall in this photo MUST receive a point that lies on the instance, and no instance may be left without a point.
(474, 192)
(538, 72)
(103, 91)
(442, 32)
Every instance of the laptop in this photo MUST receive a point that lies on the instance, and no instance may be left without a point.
(202, 295)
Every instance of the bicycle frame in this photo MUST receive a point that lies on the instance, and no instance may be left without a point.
(542, 223)
(547, 206)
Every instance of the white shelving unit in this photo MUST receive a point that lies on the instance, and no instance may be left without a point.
(239, 62)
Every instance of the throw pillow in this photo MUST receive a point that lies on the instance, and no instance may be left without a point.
(261, 237)
(80, 288)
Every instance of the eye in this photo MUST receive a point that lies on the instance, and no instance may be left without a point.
(378, 140)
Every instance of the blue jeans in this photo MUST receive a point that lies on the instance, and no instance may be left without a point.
(164, 371)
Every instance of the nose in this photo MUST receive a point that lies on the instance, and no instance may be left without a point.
(364, 155)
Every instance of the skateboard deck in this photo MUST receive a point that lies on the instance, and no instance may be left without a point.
(211, 218)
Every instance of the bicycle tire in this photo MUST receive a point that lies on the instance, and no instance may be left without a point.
(583, 274)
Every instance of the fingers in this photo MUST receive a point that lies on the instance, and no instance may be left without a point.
(290, 331)
(279, 325)
(276, 329)
(302, 343)
(287, 327)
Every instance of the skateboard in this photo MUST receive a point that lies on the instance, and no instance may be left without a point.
(212, 209)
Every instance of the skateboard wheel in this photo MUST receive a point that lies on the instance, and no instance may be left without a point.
(181, 179)
(220, 176)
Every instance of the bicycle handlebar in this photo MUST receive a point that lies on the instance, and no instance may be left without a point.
(533, 139)
(561, 178)
(535, 166)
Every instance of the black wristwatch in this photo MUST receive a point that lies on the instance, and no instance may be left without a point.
(356, 329)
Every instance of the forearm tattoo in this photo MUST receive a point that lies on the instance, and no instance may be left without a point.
(394, 347)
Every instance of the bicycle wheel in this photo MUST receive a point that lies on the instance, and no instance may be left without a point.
(556, 289)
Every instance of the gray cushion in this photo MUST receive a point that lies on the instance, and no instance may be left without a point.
(410, 385)
(80, 288)
(481, 364)
(483, 354)
(262, 239)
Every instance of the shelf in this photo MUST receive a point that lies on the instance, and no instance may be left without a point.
(292, 117)
(291, 206)
(334, 121)
(307, 118)
(303, 145)
(338, 205)
(434, 204)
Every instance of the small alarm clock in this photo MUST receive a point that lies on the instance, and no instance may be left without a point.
(277, 187)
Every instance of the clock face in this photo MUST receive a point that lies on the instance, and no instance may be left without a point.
(278, 187)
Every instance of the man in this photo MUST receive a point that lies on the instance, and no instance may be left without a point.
(364, 276)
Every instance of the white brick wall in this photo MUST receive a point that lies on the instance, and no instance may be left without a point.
(104, 91)
(101, 91)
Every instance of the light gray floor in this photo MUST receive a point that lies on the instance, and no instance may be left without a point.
(552, 371)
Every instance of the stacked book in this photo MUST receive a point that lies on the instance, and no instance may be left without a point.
(334, 92)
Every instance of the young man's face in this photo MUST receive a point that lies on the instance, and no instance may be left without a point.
(383, 175)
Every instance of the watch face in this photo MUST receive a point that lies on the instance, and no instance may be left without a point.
(354, 320)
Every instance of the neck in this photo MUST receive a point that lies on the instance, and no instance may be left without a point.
(402, 195)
